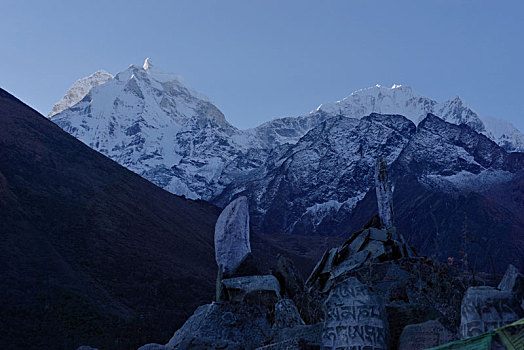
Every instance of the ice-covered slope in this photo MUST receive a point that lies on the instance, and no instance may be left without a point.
(78, 91)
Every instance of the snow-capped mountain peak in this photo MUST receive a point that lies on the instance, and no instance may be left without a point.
(403, 100)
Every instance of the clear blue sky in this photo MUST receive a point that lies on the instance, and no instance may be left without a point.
(258, 60)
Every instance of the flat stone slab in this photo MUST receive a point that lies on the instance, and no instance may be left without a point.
(240, 287)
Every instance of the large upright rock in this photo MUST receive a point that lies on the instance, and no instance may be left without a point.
(513, 282)
(232, 235)
(486, 308)
(384, 194)
(354, 318)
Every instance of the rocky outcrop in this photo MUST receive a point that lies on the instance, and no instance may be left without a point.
(232, 235)
(371, 245)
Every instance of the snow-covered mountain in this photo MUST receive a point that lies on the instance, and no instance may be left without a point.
(299, 173)
(78, 91)
(403, 100)
(152, 123)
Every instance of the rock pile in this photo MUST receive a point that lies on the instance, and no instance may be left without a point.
(370, 245)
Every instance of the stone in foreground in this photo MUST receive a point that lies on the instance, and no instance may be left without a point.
(354, 317)
(232, 235)
(486, 308)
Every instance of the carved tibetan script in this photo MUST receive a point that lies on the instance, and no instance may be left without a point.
(355, 318)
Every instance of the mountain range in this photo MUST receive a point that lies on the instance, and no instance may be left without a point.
(309, 174)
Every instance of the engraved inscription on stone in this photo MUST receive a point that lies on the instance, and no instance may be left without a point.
(424, 335)
(355, 318)
(485, 308)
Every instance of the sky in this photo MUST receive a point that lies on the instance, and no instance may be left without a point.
(262, 59)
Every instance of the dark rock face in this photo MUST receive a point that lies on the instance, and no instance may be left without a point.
(301, 188)
(486, 308)
(354, 317)
(424, 335)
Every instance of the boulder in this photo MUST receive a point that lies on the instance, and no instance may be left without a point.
(354, 317)
(232, 243)
(486, 308)
(424, 335)
(223, 326)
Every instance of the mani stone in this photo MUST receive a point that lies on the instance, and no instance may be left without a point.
(424, 335)
(355, 318)
(232, 235)
(384, 194)
(485, 308)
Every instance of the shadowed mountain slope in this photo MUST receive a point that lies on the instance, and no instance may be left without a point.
(91, 253)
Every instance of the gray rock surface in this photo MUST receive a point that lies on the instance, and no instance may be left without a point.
(223, 326)
(232, 243)
(486, 308)
(354, 316)
(286, 314)
(384, 191)
(424, 335)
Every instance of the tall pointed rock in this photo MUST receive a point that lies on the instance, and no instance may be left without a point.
(232, 235)
(384, 194)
